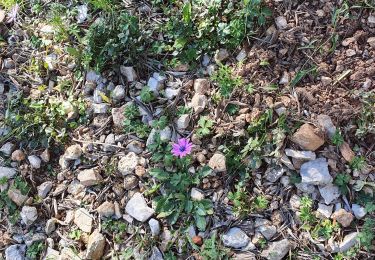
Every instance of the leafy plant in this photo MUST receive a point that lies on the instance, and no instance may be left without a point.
(161, 151)
(232, 109)
(226, 80)
(260, 203)
(146, 95)
(211, 249)
(240, 200)
(301, 74)
(116, 227)
(306, 214)
(75, 234)
(358, 163)
(161, 123)
(337, 138)
(342, 180)
(177, 201)
(205, 125)
(35, 250)
(325, 229)
(132, 123)
(183, 110)
(366, 236)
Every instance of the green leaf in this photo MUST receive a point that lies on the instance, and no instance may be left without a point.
(201, 223)
(186, 12)
(159, 174)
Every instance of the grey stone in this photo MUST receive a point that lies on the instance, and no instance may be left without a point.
(201, 86)
(83, 220)
(276, 250)
(50, 226)
(7, 172)
(29, 215)
(92, 76)
(326, 123)
(35, 161)
(183, 122)
(281, 22)
(101, 108)
(241, 56)
(154, 226)
(15, 252)
(302, 155)
(274, 173)
(171, 93)
(82, 13)
(44, 188)
(235, 238)
(7, 148)
(324, 210)
(16, 196)
(268, 231)
(110, 140)
(316, 172)
(156, 254)
(196, 194)
(129, 73)
(295, 202)
(138, 209)
(135, 147)
(130, 181)
(359, 212)
(118, 93)
(127, 164)
(329, 193)
(348, 242)
(221, 55)
(165, 135)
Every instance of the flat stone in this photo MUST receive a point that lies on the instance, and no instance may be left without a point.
(324, 210)
(135, 146)
(277, 250)
(281, 22)
(118, 93)
(73, 152)
(95, 246)
(221, 55)
(268, 231)
(302, 155)
(101, 108)
(198, 103)
(130, 181)
(201, 86)
(183, 122)
(218, 163)
(272, 174)
(127, 164)
(138, 209)
(295, 202)
(7, 148)
(45, 156)
(307, 138)
(171, 93)
(316, 172)
(235, 238)
(359, 212)
(196, 194)
(50, 226)
(29, 215)
(83, 220)
(129, 73)
(51, 254)
(118, 117)
(329, 193)
(7, 172)
(154, 227)
(17, 197)
(89, 177)
(325, 122)
(343, 217)
(106, 209)
(44, 188)
(34, 161)
(156, 254)
(15, 252)
(348, 242)
(346, 152)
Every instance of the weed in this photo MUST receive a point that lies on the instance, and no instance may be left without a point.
(132, 123)
(301, 74)
(75, 234)
(183, 110)
(240, 200)
(337, 138)
(325, 229)
(199, 27)
(262, 243)
(342, 180)
(366, 121)
(212, 250)
(358, 163)
(106, 5)
(109, 38)
(161, 151)
(232, 109)
(35, 250)
(306, 214)
(8, 4)
(21, 185)
(115, 227)
(226, 80)
(44, 120)
(160, 123)
(260, 203)
(177, 201)
(295, 178)
(205, 125)
(146, 95)
(366, 236)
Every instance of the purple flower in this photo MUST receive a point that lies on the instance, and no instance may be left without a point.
(182, 148)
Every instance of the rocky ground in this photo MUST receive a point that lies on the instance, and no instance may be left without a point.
(282, 129)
